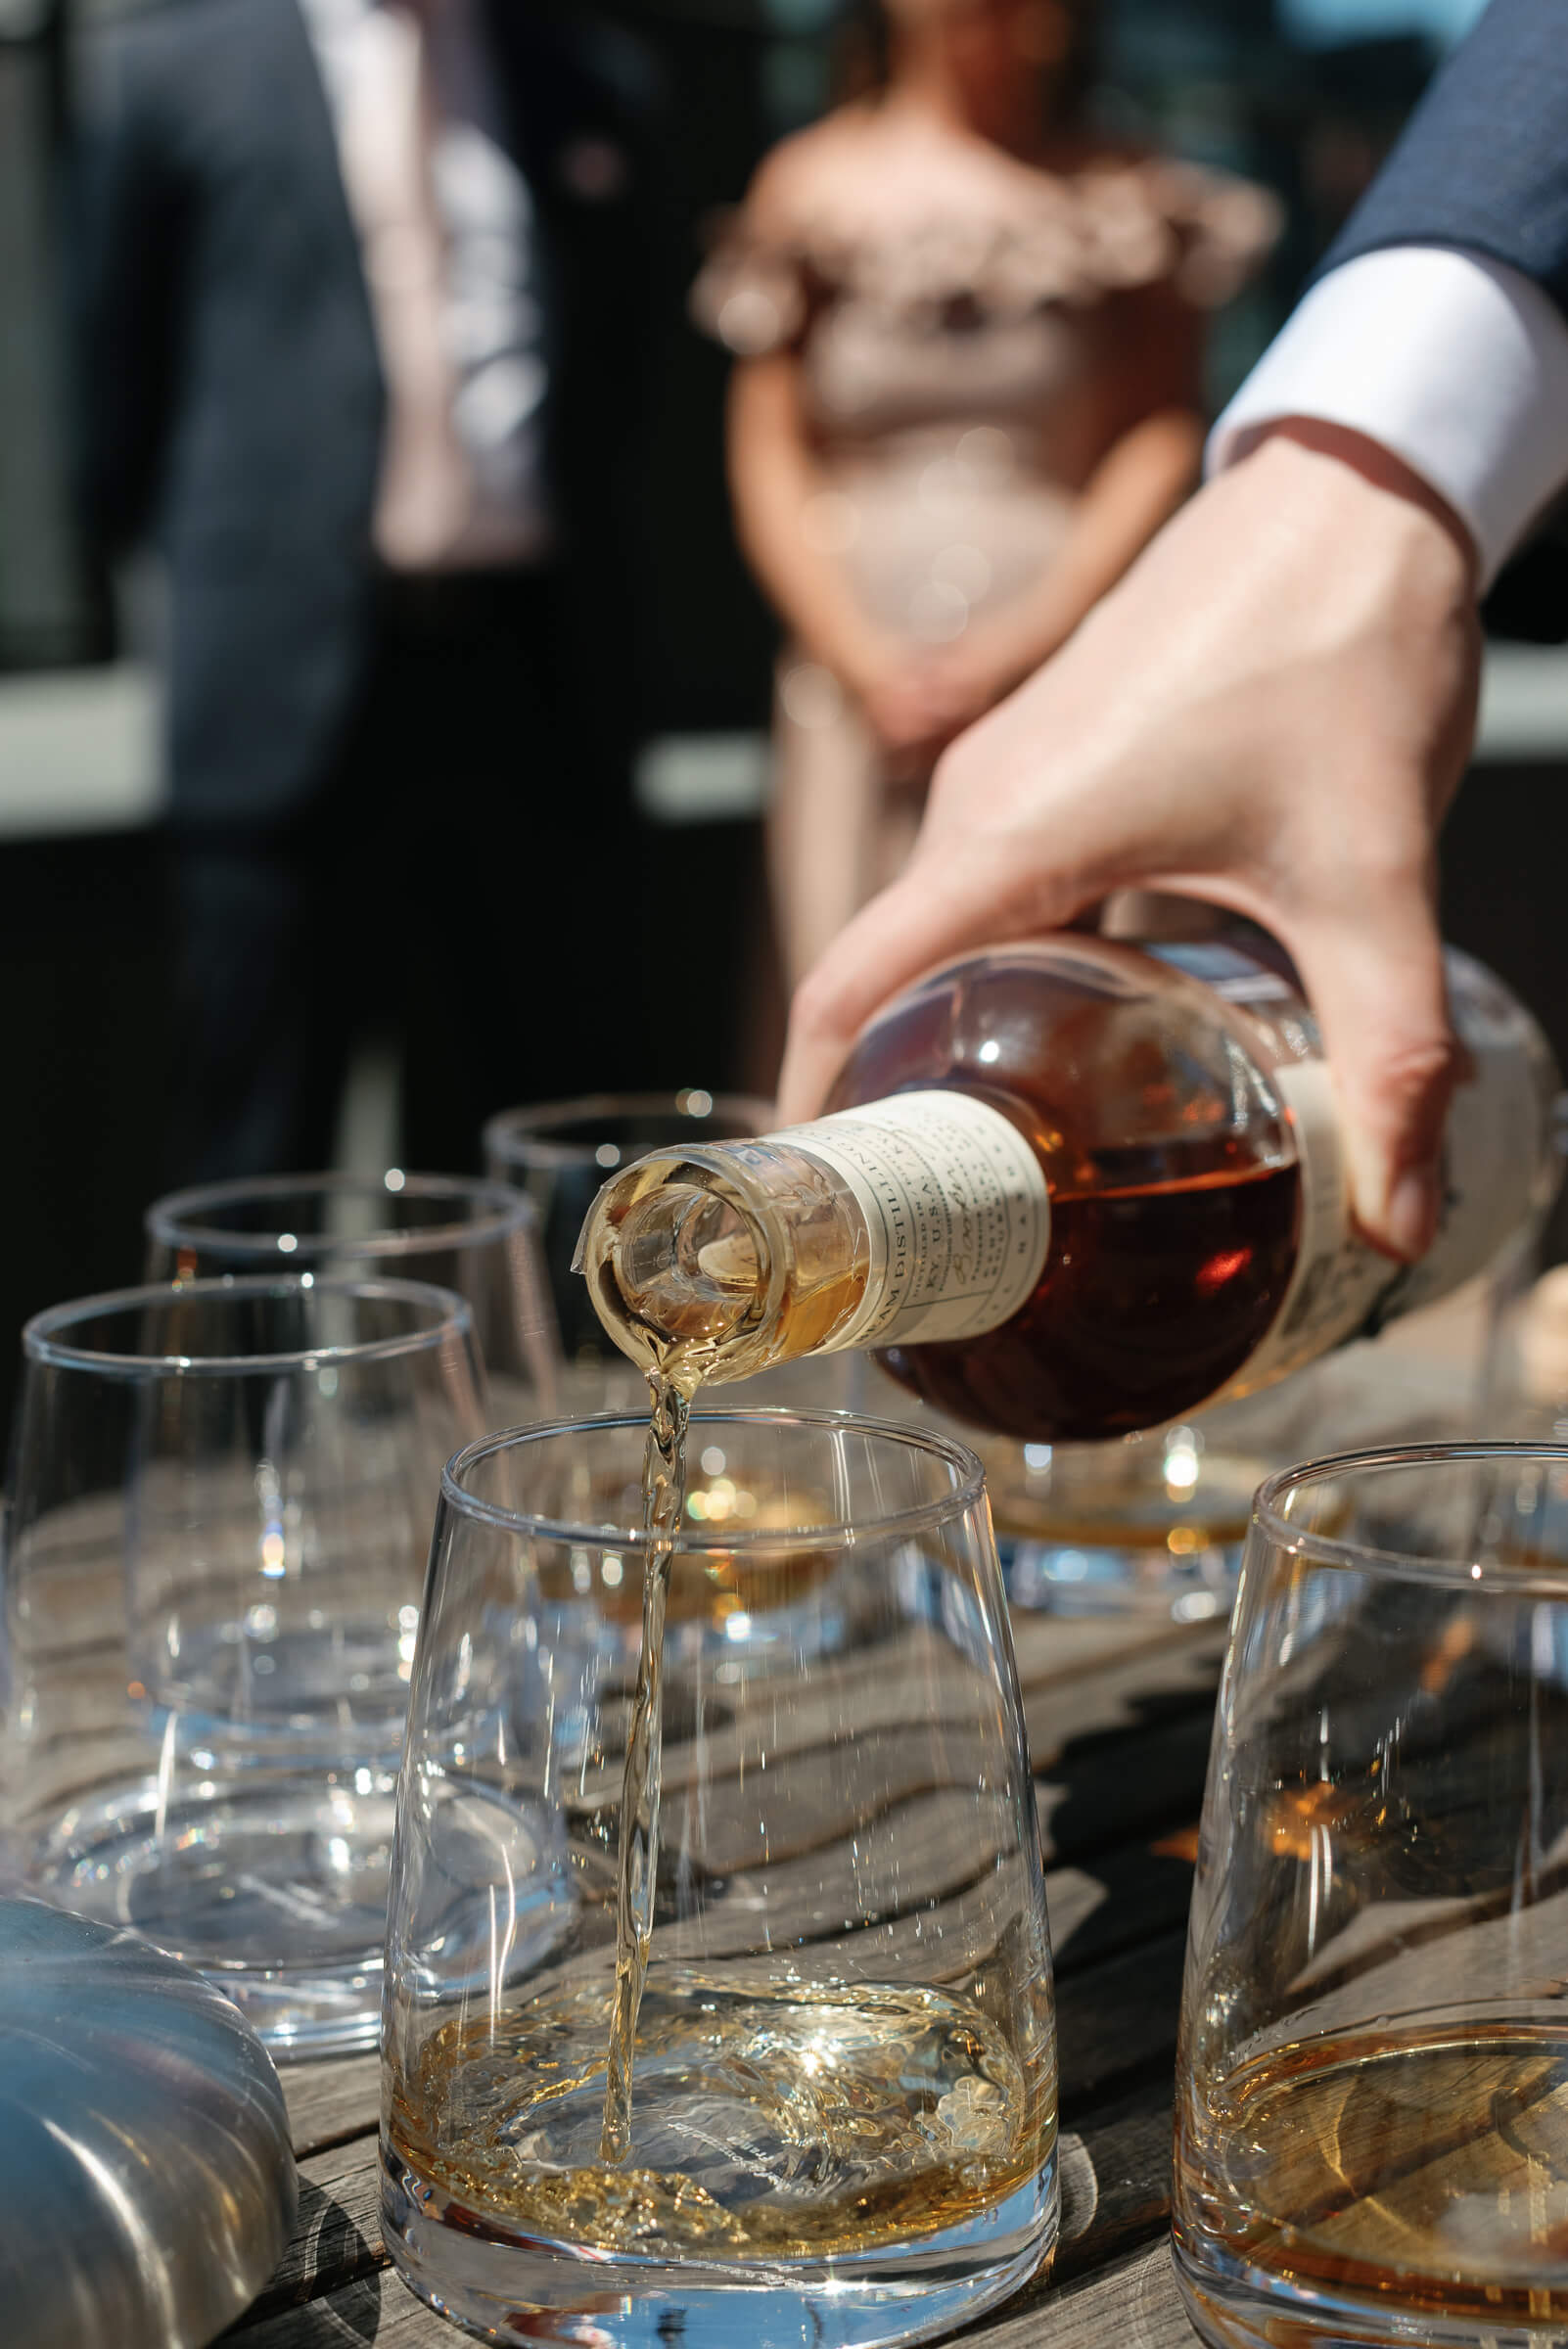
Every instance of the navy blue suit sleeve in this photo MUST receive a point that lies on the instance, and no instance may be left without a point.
(124, 260)
(1483, 162)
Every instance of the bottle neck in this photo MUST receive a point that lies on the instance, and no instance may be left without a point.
(916, 1219)
(716, 1263)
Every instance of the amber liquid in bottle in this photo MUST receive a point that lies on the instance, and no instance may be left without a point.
(1169, 1254)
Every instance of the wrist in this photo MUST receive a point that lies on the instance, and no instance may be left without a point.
(1404, 504)
(1458, 362)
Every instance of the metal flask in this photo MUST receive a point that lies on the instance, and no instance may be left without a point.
(147, 2186)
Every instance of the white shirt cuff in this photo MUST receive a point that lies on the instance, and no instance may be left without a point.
(1456, 363)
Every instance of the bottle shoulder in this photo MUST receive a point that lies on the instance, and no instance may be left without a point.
(1121, 1069)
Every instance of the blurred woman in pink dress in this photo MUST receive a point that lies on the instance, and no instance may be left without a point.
(969, 334)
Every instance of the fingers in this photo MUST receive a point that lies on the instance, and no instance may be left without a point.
(1377, 987)
(1373, 972)
(884, 946)
(932, 911)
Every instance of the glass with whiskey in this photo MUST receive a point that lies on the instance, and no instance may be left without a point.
(1371, 2140)
(1149, 1523)
(720, 1998)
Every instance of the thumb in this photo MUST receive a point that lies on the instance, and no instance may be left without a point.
(1377, 987)
(938, 906)
(890, 940)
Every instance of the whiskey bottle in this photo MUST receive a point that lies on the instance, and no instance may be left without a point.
(1067, 1190)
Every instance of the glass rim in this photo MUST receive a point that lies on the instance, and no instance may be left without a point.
(42, 1336)
(532, 1120)
(968, 1489)
(1469, 1574)
(508, 1209)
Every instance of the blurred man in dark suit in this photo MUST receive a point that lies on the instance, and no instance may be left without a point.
(357, 284)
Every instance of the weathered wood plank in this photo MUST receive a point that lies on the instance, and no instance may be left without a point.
(1132, 2300)
(336, 2236)
(1116, 1900)
(1122, 1695)
(1052, 1649)
(377, 2308)
(1118, 2020)
(1119, 1787)
(1116, 2180)
(1133, 2303)
(1075, 1676)
(329, 2103)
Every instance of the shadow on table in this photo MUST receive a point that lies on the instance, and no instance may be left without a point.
(328, 2241)
(1118, 1809)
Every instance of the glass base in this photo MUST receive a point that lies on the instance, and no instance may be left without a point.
(1151, 1525)
(1235, 2307)
(340, 1680)
(499, 2285)
(276, 1891)
(1108, 1578)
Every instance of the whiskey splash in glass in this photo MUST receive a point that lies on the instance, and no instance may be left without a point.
(836, 2091)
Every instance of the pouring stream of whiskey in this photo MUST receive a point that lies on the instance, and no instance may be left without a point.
(664, 1493)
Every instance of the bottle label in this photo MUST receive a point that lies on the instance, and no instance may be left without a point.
(1341, 1288)
(1335, 1278)
(956, 1207)
(1496, 1146)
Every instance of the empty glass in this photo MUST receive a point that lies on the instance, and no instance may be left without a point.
(560, 1153)
(222, 1503)
(479, 1238)
(842, 2087)
(1373, 2076)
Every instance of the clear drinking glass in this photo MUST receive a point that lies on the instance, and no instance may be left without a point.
(222, 1503)
(1373, 2076)
(1151, 1523)
(843, 2122)
(560, 1152)
(1156, 1522)
(479, 1238)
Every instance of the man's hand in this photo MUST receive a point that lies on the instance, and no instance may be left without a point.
(1270, 712)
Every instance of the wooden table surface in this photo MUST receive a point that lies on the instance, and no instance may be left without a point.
(1119, 1718)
